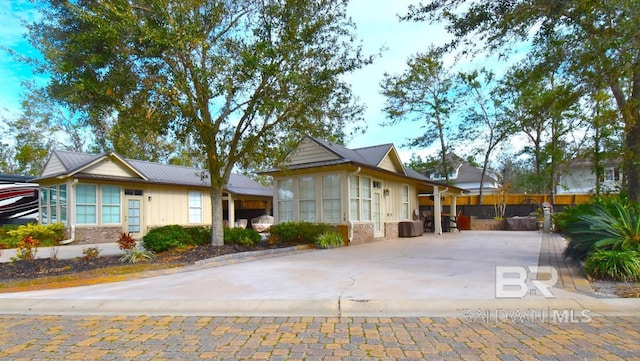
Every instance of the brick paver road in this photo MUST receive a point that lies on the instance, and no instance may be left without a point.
(314, 338)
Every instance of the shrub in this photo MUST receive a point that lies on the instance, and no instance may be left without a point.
(137, 254)
(126, 241)
(608, 225)
(6, 238)
(27, 249)
(614, 264)
(90, 253)
(48, 235)
(329, 240)
(199, 235)
(298, 232)
(165, 238)
(241, 236)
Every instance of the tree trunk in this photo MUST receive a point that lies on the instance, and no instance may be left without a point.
(632, 160)
(217, 227)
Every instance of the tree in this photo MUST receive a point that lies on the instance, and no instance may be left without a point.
(243, 79)
(424, 93)
(485, 120)
(601, 42)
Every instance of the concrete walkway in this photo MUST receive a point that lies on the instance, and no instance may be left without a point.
(448, 275)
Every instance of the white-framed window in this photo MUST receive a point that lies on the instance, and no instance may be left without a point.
(359, 198)
(331, 199)
(405, 202)
(354, 198)
(53, 204)
(62, 203)
(285, 200)
(110, 204)
(307, 198)
(86, 203)
(366, 199)
(44, 205)
(195, 207)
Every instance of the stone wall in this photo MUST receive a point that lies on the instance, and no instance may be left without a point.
(487, 224)
(92, 235)
(391, 230)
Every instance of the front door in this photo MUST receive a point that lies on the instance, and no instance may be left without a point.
(133, 216)
(378, 231)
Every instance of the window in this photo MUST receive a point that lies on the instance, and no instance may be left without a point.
(405, 202)
(331, 202)
(133, 192)
(86, 204)
(354, 198)
(307, 187)
(110, 204)
(53, 204)
(366, 199)
(285, 200)
(195, 207)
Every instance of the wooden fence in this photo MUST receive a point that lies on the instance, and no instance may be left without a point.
(512, 199)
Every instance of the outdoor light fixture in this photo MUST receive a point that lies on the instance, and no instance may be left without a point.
(149, 198)
(386, 192)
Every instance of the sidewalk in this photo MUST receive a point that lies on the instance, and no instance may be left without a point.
(66, 252)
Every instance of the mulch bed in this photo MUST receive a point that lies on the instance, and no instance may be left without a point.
(45, 267)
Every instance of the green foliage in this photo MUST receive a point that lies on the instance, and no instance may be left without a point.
(6, 238)
(298, 232)
(199, 235)
(241, 236)
(126, 241)
(609, 224)
(48, 235)
(616, 265)
(137, 254)
(166, 238)
(329, 240)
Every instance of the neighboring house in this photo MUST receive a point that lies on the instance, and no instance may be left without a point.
(97, 196)
(18, 199)
(580, 178)
(367, 190)
(466, 176)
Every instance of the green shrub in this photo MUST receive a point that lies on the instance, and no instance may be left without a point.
(241, 236)
(166, 238)
(609, 226)
(27, 249)
(298, 232)
(90, 253)
(48, 235)
(329, 240)
(199, 235)
(614, 264)
(7, 239)
(137, 254)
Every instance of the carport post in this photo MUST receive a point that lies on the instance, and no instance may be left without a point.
(454, 209)
(437, 211)
(232, 210)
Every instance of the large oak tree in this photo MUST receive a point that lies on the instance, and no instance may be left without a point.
(241, 79)
(600, 39)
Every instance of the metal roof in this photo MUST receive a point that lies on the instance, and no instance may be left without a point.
(165, 173)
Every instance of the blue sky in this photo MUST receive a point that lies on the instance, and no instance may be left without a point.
(378, 27)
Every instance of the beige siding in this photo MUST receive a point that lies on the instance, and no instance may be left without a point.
(394, 204)
(170, 205)
(54, 166)
(389, 164)
(111, 168)
(308, 152)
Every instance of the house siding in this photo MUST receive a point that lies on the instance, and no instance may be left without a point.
(110, 168)
(310, 151)
(388, 164)
(53, 166)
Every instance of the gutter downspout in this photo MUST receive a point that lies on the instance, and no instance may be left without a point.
(72, 213)
(357, 171)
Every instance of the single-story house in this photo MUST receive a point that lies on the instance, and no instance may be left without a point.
(368, 190)
(580, 178)
(97, 196)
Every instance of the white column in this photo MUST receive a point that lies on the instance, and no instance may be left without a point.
(454, 210)
(232, 210)
(437, 211)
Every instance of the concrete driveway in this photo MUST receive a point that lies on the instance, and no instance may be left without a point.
(403, 276)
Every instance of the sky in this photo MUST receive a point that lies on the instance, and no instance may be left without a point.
(378, 27)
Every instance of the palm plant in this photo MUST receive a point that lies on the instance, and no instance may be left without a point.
(609, 226)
